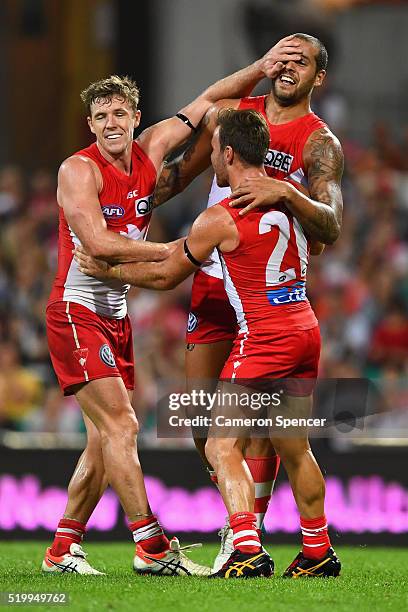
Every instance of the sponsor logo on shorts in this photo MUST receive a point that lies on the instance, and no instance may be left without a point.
(82, 355)
(106, 355)
(144, 206)
(113, 211)
(192, 322)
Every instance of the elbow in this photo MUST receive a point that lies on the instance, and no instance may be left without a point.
(333, 235)
(164, 283)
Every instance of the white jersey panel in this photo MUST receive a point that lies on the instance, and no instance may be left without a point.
(212, 266)
(107, 299)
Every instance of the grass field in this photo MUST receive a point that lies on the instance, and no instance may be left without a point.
(372, 579)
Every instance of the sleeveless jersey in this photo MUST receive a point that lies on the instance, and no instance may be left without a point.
(126, 203)
(284, 159)
(265, 276)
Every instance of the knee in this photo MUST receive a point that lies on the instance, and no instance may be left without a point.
(123, 426)
(217, 451)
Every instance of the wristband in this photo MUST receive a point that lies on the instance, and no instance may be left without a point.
(187, 121)
(190, 256)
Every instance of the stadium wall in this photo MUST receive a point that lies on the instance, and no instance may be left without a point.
(367, 497)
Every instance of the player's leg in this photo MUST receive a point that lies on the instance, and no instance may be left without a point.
(203, 365)
(263, 463)
(85, 489)
(317, 557)
(237, 489)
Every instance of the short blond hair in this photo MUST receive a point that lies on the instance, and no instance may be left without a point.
(114, 86)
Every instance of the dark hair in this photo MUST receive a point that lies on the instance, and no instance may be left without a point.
(106, 89)
(322, 56)
(246, 132)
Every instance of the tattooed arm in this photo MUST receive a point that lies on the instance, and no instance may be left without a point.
(179, 173)
(324, 162)
(320, 211)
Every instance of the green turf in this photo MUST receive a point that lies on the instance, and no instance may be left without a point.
(372, 579)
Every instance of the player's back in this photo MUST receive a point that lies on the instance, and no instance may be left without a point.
(126, 203)
(265, 276)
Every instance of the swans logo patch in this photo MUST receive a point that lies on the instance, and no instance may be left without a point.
(192, 322)
(106, 355)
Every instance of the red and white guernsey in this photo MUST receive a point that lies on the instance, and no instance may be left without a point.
(284, 159)
(126, 203)
(265, 276)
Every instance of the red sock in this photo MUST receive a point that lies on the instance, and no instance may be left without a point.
(246, 538)
(149, 535)
(68, 532)
(264, 471)
(316, 539)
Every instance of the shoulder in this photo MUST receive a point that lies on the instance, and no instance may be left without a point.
(216, 218)
(79, 169)
(323, 146)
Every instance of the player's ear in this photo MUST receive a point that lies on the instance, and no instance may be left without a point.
(229, 155)
(138, 116)
(320, 78)
(89, 120)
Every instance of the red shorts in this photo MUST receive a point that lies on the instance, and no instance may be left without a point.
(85, 346)
(262, 355)
(211, 317)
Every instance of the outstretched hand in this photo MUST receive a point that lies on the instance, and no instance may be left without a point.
(285, 50)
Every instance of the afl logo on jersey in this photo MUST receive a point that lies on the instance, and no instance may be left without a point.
(192, 322)
(144, 206)
(113, 211)
(106, 355)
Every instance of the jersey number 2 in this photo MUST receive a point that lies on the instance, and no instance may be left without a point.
(274, 274)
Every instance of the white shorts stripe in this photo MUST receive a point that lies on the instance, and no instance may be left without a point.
(74, 331)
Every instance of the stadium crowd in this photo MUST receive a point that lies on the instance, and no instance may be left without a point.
(358, 288)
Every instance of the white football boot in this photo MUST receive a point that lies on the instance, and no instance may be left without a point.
(171, 562)
(226, 548)
(73, 562)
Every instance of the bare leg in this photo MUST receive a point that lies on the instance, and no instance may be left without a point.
(225, 454)
(234, 478)
(106, 403)
(89, 481)
(303, 472)
(204, 363)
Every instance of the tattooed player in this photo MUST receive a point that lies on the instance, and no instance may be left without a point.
(302, 149)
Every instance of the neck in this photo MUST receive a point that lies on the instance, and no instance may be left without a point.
(122, 161)
(239, 174)
(278, 114)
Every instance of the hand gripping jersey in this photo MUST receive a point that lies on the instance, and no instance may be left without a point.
(284, 159)
(126, 203)
(265, 276)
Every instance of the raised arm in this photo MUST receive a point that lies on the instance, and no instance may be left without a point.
(213, 228)
(78, 195)
(160, 139)
(180, 172)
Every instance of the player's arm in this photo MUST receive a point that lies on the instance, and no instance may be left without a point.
(160, 139)
(214, 227)
(78, 194)
(180, 172)
(320, 212)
